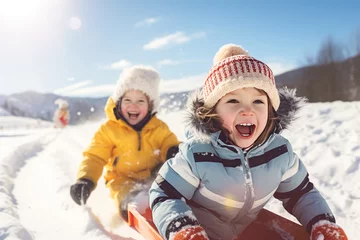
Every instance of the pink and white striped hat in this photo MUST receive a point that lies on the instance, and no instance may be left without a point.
(232, 69)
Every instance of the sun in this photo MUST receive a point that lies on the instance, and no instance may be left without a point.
(15, 13)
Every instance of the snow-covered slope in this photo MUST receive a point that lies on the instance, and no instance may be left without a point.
(37, 168)
(42, 105)
(21, 123)
(3, 112)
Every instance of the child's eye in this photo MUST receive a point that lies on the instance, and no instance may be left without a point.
(141, 101)
(258, 101)
(232, 101)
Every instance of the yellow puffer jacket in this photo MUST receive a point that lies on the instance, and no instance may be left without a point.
(125, 151)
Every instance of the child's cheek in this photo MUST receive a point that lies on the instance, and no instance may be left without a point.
(227, 126)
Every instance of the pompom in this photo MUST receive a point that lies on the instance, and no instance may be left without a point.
(61, 103)
(228, 50)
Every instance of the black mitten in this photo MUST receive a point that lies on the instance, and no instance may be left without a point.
(81, 190)
(172, 151)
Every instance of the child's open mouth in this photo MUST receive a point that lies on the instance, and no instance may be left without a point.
(246, 129)
(133, 116)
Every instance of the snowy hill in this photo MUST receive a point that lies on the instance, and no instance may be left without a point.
(37, 167)
(21, 123)
(3, 112)
(41, 106)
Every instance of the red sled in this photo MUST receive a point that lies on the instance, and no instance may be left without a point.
(268, 226)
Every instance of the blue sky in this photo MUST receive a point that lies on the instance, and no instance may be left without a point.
(79, 48)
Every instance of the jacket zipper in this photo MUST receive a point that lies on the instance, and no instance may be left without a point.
(249, 186)
(250, 195)
(139, 140)
(115, 161)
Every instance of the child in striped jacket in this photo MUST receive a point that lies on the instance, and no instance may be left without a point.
(234, 159)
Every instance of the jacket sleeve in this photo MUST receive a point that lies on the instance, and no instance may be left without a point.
(169, 143)
(299, 196)
(56, 115)
(96, 155)
(176, 182)
(68, 115)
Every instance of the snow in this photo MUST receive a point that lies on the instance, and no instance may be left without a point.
(3, 112)
(30, 124)
(39, 163)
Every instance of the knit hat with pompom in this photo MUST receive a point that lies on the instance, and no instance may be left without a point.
(143, 78)
(232, 69)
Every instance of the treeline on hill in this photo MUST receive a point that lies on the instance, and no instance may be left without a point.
(333, 74)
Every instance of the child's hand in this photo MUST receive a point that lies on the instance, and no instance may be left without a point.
(325, 230)
(81, 190)
(191, 232)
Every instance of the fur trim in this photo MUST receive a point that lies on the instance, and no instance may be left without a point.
(196, 127)
(142, 78)
(289, 107)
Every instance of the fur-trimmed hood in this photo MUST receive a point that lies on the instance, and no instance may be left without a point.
(290, 105)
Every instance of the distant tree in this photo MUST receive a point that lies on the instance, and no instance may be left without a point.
(356, 68)
(310, 60)
(330, 52)
(334, 72)
(304, 86)
(351, 91)
(5, 105)
(331, 85)
(357, 41)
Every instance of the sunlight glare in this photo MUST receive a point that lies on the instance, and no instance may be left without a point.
(75, 23)
(18, 12)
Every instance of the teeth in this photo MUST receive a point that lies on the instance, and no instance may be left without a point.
(246, 124)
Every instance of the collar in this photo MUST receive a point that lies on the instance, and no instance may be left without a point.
(137, 127)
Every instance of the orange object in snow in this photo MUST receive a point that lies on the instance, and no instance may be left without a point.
(143, 223)
(268, 226)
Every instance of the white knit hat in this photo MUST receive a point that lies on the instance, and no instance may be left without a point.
(143, 78)
(61, 103)
(232, 69)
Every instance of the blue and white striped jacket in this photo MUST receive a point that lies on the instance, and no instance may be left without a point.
(224, 188)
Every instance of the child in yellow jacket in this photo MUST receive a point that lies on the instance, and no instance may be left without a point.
(132, 144)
